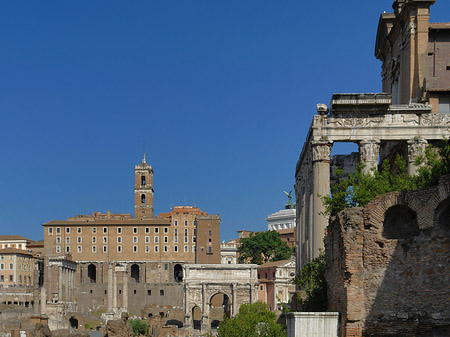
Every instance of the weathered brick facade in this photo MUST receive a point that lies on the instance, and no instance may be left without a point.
(388, 265)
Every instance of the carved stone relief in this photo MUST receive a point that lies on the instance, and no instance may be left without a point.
(368, 150)
(416, 148)
(321, 151)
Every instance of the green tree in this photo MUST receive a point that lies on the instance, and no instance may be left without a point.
(264, 247)
(140, 328)
(312, 280)
(359, 189)
(253, 320)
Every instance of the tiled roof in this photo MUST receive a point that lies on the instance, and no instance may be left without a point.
(13, 237)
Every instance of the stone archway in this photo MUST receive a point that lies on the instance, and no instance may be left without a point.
(73, 321)
(196, 318)
(220, 307)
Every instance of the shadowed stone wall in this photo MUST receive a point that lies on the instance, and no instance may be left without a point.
(388, 265)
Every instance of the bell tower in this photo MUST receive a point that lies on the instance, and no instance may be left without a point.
(143, 190)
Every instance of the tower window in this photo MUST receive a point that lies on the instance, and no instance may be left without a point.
(143, 180)
(142, 198)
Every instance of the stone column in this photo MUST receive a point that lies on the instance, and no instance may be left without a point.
(251, 293)
(60, 284)
(48, 281)
(110, 287)
(125, 290)
(206, 323)
(233, 299)
(67, 284)
(114, 289)
(321, 151)
(368, 154)
(416, 148)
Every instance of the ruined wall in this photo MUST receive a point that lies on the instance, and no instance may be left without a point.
(388, 265)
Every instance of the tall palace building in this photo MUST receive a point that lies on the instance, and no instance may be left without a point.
(112, 261)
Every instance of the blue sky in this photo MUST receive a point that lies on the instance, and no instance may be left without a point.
(221, 92)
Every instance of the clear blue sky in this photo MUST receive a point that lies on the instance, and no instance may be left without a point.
(221, 92)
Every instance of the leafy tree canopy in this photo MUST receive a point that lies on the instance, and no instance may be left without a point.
(264, 247)
(359, 189)
(251, 321)
(312, 280)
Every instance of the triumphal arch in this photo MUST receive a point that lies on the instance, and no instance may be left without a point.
(214, 290)
(379, 128)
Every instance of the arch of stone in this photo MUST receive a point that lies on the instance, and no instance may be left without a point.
(377, 127)
(237, 283)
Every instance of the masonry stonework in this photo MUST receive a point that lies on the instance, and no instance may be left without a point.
(388, 263)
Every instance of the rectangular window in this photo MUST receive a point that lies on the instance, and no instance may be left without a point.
(185, 232)
(186, 248)
(94, 230)
(175, 239)
(166, 239)
(50, 231)
(2, 266)
(94, 239)
(105, 230)
(210, 250)
(147, 249)
(94, 249)
(156, 249)
(135, 230)
(166, 249)
(135, 249)
(161, 292)
(147, 239)
(193, 249)
(79, 249)
(135, 239)
(119, 230)
(156, 230)
(175, 232)
(166, 230)
(58, 239)
(209, 240)
(11, 266)
(149, 292)
(175, 249)
(105, 249)
(58, 230)
(156, 239)
(210, 232)
(185, 222)
(119, 248)
(67, 249)
(176, 223)
(79, 240)
(67, 230)
(166, 266)
(105, 239)
(79, 230)
(2, 278)
(68, 239)
(186, 239)
(58, 249)
(444, 105)
(147, 230)
(119, 239)
(194, 239)
(10, 278)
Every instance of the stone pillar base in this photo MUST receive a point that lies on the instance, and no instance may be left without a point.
(307, 324)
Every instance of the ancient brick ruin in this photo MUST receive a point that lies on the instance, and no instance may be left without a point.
(388, 265)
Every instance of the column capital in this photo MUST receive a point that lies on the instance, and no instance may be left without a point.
(416, 148)
(321, 150)
(369, 149)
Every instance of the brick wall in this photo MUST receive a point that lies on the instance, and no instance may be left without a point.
(388, 265)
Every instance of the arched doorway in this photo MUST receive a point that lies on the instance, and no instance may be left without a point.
(400, 222)
(135, 273)
(219, 308)
(178, 273)
(442, 217)
(73, 322)
(196, 318)
(92, 273)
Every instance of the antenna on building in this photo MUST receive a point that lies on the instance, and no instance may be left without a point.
(143, 158)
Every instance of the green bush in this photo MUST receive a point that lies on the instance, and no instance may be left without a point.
(140, 328)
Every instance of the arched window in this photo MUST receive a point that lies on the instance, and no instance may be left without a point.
(135, 273)
(178, 273)
(400, 222)
(142, 198)
(143, 180)
(92, 273)
(442, 217)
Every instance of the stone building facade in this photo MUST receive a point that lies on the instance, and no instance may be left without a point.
(388, 263)
(118, 263)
